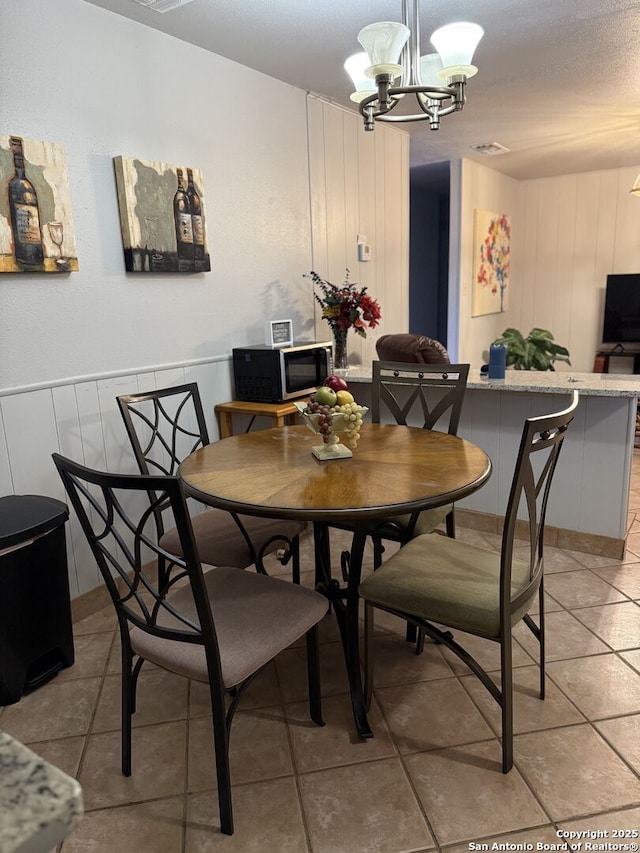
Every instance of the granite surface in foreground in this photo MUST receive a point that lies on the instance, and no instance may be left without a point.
(39, 803)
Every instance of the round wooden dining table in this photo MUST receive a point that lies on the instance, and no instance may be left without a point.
(394, 470)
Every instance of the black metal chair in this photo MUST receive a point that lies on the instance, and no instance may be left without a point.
(428, 396)
(436, 393)
(435, 579)
(424, 395)
(164, 427)
(218, 625)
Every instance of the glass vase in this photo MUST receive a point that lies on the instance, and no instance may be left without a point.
(340, 361)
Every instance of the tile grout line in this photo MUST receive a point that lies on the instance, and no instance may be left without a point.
(292, 756)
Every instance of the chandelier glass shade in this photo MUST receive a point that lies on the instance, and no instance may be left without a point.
(635, 189)
(392, 50)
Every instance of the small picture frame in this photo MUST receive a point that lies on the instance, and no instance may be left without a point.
(279, 333)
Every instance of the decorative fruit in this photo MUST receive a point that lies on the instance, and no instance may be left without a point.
(344, 397)
(324, 418)
(336, 382)
(326, 396)
(353, 421)
(325, 405)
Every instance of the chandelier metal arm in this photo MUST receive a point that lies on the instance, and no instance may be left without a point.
(459, 83)
(432, 105)
(379, 104)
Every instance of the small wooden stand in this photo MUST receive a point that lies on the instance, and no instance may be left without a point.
(279, 413)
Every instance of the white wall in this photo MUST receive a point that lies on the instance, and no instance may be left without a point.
(365, 192)
(484, 189)
(577, 229)
(568, 233)
(103, 86)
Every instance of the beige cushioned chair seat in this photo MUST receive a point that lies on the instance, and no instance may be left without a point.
(256, 617)
(427, 522)
(220, 542)
(446, 581)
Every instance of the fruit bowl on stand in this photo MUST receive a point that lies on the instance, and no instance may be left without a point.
(333, 416)
(331, 448)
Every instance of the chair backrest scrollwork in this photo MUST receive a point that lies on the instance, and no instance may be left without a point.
(425, 395)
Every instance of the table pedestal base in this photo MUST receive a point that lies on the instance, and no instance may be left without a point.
(345, 604)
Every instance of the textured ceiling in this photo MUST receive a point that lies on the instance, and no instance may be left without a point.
(558, 81)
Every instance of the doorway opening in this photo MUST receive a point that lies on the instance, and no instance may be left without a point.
(429, 194)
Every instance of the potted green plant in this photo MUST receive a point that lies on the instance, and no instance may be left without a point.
(535, 352)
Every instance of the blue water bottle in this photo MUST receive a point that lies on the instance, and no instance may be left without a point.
(497, 361)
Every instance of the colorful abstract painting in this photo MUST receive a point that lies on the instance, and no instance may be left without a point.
(36, 223)
(162, 217)
(491, 260)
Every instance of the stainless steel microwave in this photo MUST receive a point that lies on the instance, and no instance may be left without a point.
(264, 374)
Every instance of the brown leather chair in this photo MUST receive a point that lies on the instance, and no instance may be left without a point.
(412, 348)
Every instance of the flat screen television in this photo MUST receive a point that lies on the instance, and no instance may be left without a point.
(622, 309)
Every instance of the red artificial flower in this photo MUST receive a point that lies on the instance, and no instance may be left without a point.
(346, 307)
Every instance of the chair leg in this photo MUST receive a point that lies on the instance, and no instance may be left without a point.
(506, 672)
(378, 551)
(313, 676)
(129, 697)
(128, 690)
(450, 525)
(541, 638)
(221, 750)
(368, 655)
(295, 559)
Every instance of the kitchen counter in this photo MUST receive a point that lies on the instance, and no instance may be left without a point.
(554, 382)
(590, 496)
(39, 804)
(547, 381)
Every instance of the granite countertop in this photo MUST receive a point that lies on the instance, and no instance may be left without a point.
(556, 382)
(39, 803)
(541, 381)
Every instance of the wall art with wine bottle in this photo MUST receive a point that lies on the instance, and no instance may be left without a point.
(36, 223)
(161, 217)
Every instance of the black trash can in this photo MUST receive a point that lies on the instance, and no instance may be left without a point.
(36, 638)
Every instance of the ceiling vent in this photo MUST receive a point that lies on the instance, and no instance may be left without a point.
(162, 5)
(490, 148)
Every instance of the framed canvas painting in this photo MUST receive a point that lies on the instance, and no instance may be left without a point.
(491, 258)
(36, 224)
(162, 217)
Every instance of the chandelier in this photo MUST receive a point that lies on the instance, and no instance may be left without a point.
(392, 50)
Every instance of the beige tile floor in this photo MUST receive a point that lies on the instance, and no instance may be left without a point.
(428, 780)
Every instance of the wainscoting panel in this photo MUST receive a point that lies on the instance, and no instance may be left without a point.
(6, 484)
(80, 419)
(83, 572)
